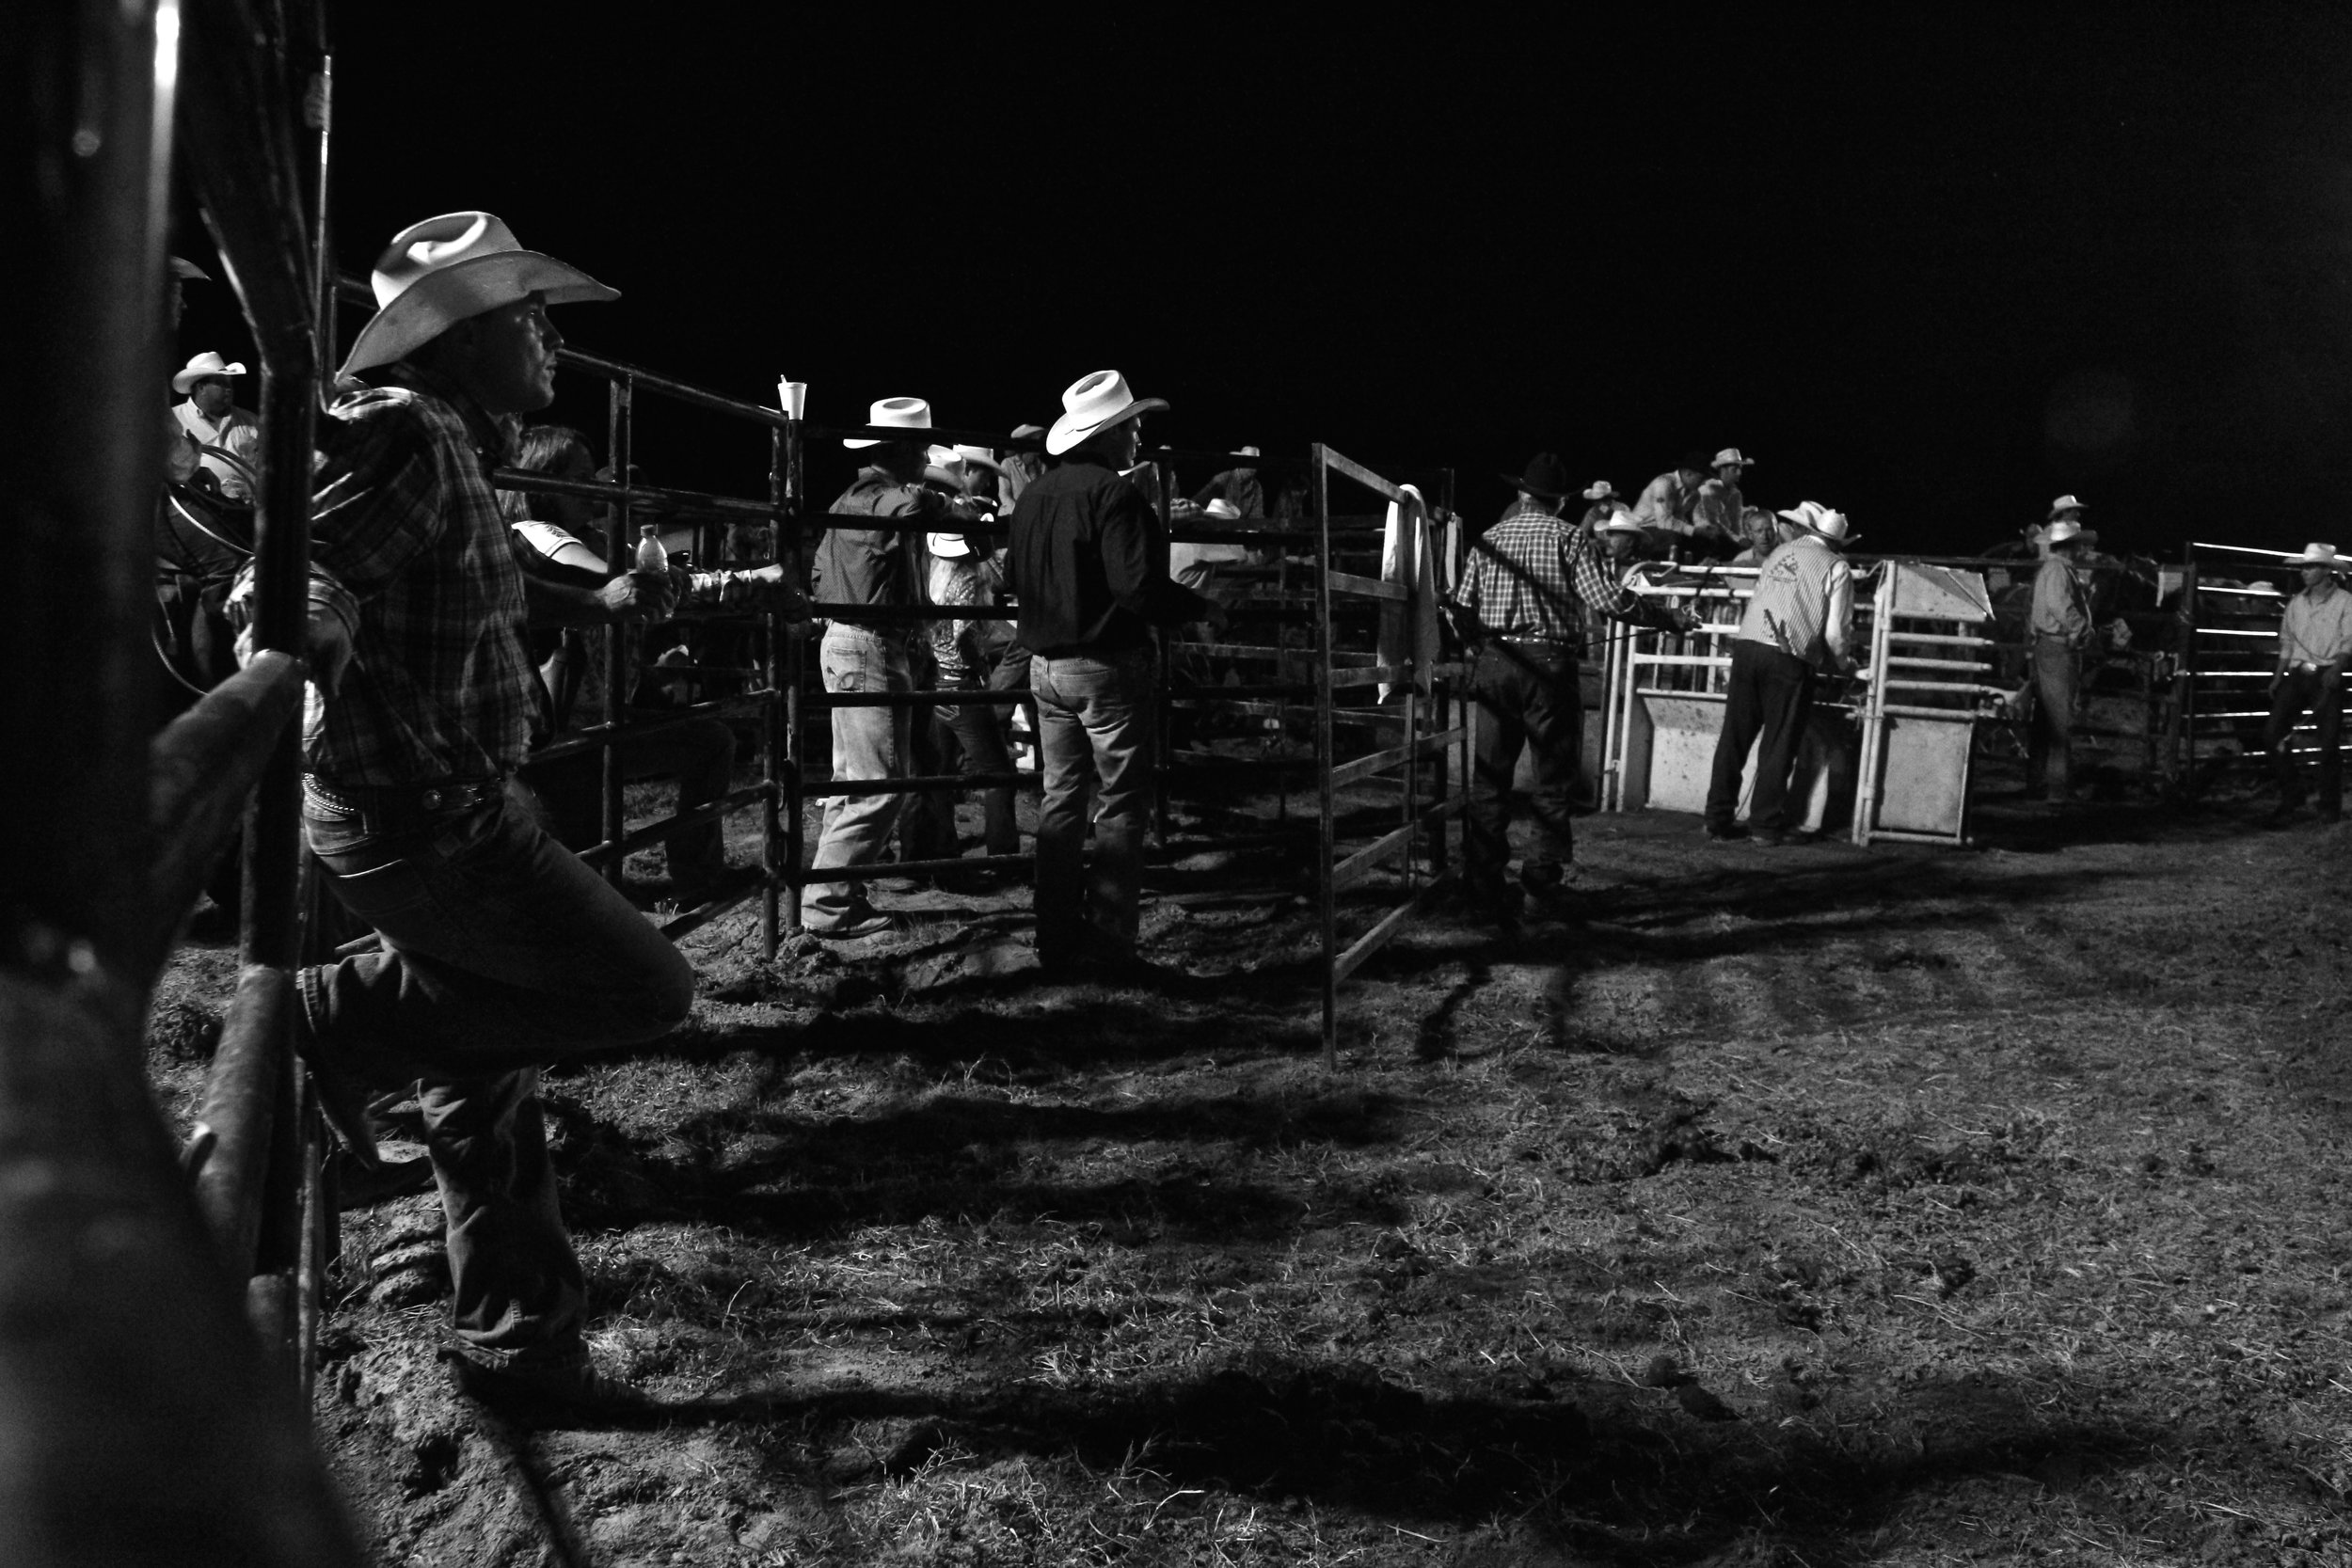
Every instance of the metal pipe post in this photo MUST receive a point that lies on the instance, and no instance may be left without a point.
(618, 420)
(1327, 895)
(794, 676)
(1163, 713)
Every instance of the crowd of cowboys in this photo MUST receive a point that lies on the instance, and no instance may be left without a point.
(501, 952)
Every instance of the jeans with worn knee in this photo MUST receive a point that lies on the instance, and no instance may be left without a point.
(867, 744)
(1095, 713)
(502, 953)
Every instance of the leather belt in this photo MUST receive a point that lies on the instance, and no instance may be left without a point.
(1535, 641)
(394, 806)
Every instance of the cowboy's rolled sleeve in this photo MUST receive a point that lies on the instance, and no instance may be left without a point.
(1838, 624)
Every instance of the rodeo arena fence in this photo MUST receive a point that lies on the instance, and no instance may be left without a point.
(160, 1305)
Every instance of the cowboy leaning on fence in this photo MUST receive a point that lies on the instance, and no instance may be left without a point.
(501, 952)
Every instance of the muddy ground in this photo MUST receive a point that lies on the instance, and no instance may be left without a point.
(1799, 1206)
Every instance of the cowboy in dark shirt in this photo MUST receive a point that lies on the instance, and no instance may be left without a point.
(1088, 562)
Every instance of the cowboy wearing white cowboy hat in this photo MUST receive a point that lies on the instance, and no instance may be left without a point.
(1605, 503)
(210, 418)
(1716, 511)
(1620, 538)
(880, 569)
(2060, 627)
(502, 950)
(1798, 625)
(1240, 485)
(2314, 639)
(1089, 565)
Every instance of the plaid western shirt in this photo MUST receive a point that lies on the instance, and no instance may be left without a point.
(409, 548)
(1531, 574)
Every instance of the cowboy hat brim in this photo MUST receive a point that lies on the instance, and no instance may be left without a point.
(1518, 482)
(2333, 562)
(1067, 432)
(461, 290)
(185, 379)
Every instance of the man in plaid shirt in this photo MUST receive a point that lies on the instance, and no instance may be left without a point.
(1521, 604)
(501, 952)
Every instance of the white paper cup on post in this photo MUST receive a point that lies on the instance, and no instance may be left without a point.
(792, 397)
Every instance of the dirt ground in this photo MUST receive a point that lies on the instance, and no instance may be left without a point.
(1797, 1206)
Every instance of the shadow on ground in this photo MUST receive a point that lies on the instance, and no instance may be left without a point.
(1670, 1476)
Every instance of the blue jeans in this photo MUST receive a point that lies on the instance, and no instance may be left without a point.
(1094, 716)
(1528, 697)
(867, 744)
(1766, 706)
(501, 952)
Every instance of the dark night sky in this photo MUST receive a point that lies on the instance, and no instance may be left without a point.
(1933, 266)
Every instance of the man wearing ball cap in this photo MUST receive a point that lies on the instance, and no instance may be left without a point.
(1089, 565)
(2314, 639)
(501, 952)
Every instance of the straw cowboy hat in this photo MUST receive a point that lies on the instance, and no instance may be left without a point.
(1732, 454)
(909, 414)
(449, 269)
(978, 457)
(2066, 504)
(2318, 555)
(1547, 477)
(201, 366)
(1821, 522)
(1093, 404)
(1599, 490)
(944, 465)
(2067, 533)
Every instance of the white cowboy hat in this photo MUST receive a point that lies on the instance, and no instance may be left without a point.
(447, 269)
(896, 414)
(2317, 555)
(1731, 455)
(1095, 402)
(1820, 521)
(2066, 504)
(978, 457)
(207, 363)
(1222, 511)
(949, 546)
(1247, 451)
(2067, 533)
(1620, 521)
(1599, 490)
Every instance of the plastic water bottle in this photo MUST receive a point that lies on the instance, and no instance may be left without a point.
(651, 557)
